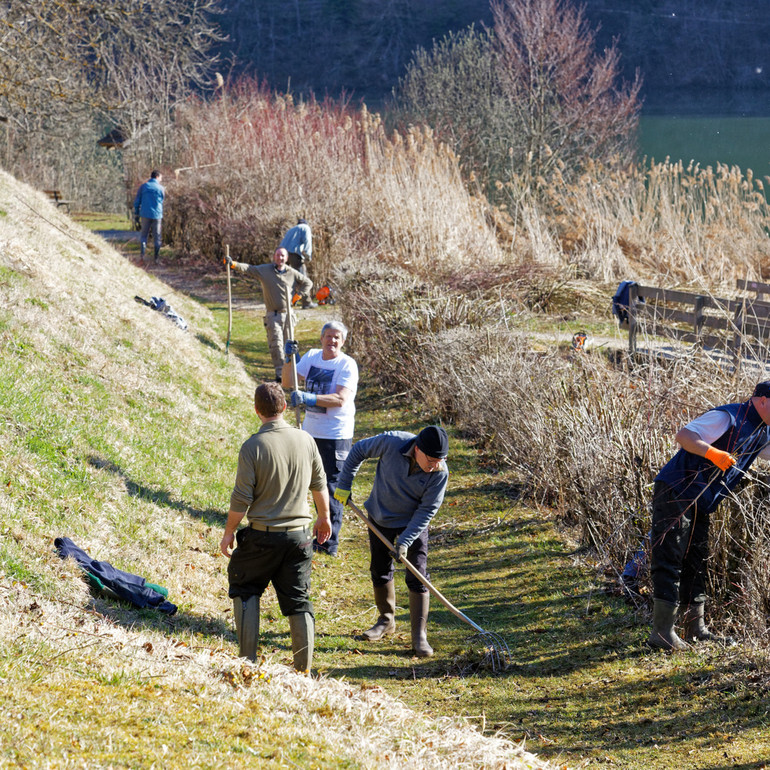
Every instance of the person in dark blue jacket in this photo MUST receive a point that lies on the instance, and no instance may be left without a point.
(148, 206)
(716, 450)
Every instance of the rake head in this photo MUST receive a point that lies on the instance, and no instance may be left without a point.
(496, 651)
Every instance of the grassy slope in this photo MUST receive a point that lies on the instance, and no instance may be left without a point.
(122, 432)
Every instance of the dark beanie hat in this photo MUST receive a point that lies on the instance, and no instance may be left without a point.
(433, 441)
(762, 389)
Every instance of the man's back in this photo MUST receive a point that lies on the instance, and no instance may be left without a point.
(149, 199)
(276, 468)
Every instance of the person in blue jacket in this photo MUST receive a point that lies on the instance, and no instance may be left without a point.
(298, 242)
(148, 206)
(716, 450)
(409, 486)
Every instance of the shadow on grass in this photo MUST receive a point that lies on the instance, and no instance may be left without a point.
(182, 621)
(212, 516)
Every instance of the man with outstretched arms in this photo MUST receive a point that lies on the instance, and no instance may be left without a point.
(276, 277)
(716, 450)
(409, 486)
(276, 467)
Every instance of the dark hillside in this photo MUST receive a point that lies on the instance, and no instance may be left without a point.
(708, 52)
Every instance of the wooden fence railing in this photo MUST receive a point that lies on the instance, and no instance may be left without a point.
(733, 325)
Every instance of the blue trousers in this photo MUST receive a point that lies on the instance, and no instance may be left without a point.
(333, 453)
(150, 227)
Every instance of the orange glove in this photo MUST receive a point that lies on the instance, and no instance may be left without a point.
(723, 460)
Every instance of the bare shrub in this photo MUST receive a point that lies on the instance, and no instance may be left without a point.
(565, 98)
(582, 434)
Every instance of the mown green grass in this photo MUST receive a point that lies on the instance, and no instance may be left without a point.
(97, 220)
(582, 686)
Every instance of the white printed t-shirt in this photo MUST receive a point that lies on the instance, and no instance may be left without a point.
(323, 378)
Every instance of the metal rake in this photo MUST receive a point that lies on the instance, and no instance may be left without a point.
(496, 648)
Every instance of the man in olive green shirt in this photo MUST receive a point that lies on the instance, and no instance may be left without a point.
(276, 467)
(276, 277)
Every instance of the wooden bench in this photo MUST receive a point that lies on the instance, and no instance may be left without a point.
(56, 197)
(737, 326)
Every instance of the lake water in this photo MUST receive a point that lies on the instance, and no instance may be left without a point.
(741, 141)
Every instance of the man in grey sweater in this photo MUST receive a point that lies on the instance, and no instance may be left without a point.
(276, 278)
(276, 467)
(409, 487)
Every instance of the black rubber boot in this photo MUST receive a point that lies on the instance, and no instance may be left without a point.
(695, 628)
(385, 599)
(418, 614)
(302, 628)
(246, 614)
(663, 636)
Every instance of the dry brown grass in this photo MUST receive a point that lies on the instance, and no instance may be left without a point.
(260, 161)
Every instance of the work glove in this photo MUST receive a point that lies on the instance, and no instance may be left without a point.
(342, 495)
(723, 460)
(299, 397)
(399, 550)
(291, 348)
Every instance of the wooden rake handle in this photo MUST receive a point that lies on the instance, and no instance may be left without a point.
(292, 359)
(353, 507)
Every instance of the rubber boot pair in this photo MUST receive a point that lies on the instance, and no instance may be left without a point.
(385, 625)
(246, 615)
(663, 636)
(695, 628)
(302, 629)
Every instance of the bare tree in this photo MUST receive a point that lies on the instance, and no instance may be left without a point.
(455, 89)
(567, 100)
(63, 62)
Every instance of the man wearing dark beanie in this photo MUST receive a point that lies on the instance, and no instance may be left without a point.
(409, 487)
(716, 450)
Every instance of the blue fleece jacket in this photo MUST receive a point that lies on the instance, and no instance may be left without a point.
(299, 240)
(403, 495)
(149, 200)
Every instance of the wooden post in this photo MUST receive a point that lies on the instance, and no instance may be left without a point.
(700, 302)
(738, 321)
(633, 295)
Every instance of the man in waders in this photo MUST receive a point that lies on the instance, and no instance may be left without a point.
(716, 450)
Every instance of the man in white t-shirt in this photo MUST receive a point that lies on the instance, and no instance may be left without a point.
(330, 384)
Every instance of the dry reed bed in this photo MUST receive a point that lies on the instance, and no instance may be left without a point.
(256, 160)
(260, 161)
(665, 221)
(581, 434)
